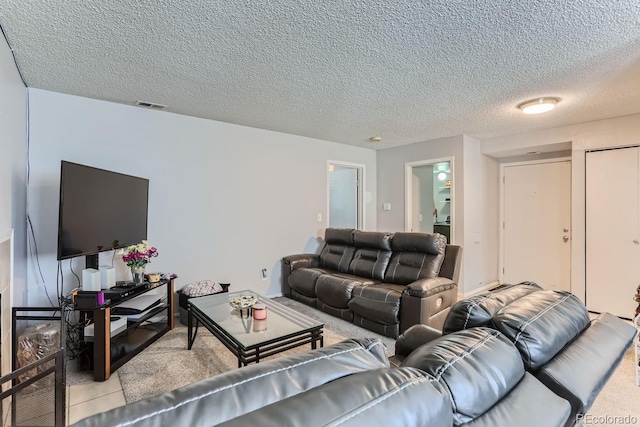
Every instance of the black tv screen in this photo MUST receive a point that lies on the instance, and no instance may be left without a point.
(99, 210)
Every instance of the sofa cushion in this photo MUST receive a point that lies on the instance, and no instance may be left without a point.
(304, 280)
(378, 303)
(385, 397)
(339, 236)
(371, 263)
(478, 310)
(228, 395)
(415, 256)
(528, 404)
(477, 367)
(335, 291)
(336, 257)
(541, 324)
(372, 255)
(372, 240)
(338, 249)
(364, 280)
(566, 374)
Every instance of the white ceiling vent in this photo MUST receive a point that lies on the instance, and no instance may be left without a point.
(150, 105)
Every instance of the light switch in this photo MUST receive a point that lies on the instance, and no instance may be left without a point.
(386, 206)
(319, 217)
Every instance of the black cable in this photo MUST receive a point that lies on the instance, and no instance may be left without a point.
(58, 273)
(13, 53)
(74, 273)
(31, 251)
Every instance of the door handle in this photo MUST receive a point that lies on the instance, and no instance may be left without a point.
(566, 230)
(636, 241)
(565, 239)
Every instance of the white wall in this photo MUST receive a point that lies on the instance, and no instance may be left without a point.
(225, 200)
(474, 194)
(13, 191)
(609, 133)
(13, 169)
(391, 176)
(480, 244)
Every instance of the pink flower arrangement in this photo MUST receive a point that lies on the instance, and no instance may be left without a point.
(137, 256)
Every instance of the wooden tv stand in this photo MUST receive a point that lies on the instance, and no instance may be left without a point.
(134, 338)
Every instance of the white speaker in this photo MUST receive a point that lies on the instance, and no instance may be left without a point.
(107, 276)
(90, 279)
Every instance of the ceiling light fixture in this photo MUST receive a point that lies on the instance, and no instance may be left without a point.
(442, 176)
(538, 105)
(375, 139)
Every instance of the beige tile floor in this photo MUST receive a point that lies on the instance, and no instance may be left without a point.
(90, 398)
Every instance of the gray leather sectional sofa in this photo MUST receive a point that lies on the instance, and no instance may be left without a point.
(384, 282)
(560, 347)
(540, 363)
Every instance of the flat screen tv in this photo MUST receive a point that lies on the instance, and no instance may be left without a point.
(99, 211)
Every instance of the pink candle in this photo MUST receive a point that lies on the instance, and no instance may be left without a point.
(259, 311)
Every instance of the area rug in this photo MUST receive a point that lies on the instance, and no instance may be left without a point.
(167, 364)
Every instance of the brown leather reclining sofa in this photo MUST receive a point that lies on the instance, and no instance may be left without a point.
(385, 282)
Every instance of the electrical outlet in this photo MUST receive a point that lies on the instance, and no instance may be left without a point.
(319, 217)
(263, 274)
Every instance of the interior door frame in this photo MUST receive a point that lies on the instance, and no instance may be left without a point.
(501, 233)
(361, 176)
(408, 192)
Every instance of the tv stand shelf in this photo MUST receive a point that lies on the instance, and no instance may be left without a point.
(111, 352)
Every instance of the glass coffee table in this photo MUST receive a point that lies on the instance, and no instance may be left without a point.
(249, 339)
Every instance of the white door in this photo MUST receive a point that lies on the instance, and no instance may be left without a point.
(422, 204)
(612, 230)
(537, 222)
(344, 196)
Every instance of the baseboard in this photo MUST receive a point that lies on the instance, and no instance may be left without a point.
(479, 290)
(274, 295)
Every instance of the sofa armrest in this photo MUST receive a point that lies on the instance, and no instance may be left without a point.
(427, 301)
(426, 287)
(414, 337)
(293, 262)
(301, 261)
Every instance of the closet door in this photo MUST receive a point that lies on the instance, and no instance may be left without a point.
(612, 230)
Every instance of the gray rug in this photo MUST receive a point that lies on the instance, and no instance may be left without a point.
(167, 364)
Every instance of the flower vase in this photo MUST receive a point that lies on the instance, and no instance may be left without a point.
(137, 274)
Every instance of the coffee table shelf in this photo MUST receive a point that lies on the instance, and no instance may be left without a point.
(248, 339)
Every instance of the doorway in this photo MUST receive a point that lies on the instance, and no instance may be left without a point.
(536, 223)
(345, 182)
(429, 197)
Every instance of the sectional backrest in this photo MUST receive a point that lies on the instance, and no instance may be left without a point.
(338, 249)
(477, 367)
(482, 374)
(399, 258)
(223, 397)
(372, 255)
(415, 256)
(478, 310)
(541, 324)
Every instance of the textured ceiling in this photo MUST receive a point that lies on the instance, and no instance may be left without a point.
(405, 70)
